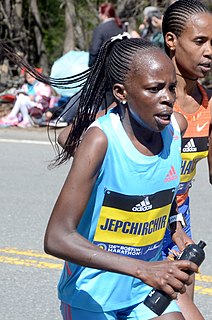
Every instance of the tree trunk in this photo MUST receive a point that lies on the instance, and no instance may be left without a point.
(12, 30)
(40, 46)
(70, 22)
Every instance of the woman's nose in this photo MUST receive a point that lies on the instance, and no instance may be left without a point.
(169, 98)
(208, 49)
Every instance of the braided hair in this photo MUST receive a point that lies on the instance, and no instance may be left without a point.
(177, 15)
(112, 66)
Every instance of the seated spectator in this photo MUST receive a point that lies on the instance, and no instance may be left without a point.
(32, 94)
(52, 114)
(63, 113)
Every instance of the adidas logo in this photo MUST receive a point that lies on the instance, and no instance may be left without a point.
(190, 146)
(143, 205)
(171, 175)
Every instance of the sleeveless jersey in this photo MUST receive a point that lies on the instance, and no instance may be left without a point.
(194, 144)
(127, 214)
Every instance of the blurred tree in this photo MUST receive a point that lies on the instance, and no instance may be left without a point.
(42, 31)
(37, 48)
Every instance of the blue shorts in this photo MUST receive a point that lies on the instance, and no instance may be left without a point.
(168, 244)
(136, 312)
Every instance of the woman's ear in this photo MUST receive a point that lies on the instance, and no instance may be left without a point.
(119, 92)
(170, 39)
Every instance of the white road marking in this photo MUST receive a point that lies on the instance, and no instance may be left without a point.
(26, 141)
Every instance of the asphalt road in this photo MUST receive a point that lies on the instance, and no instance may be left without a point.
(28, 190)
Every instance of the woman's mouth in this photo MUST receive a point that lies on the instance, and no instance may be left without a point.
(163, 119)
(205, 67)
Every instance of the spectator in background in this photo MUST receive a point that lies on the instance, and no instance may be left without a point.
(63, 113)
(155, 25)
(110, 26)
(32, 94)
(151, 28)
(144, 28)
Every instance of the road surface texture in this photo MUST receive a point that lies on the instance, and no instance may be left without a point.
(28, 191)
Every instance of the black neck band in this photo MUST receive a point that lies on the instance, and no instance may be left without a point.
(186, 77)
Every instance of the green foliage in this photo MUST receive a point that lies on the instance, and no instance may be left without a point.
(87, 20)
(52, 15)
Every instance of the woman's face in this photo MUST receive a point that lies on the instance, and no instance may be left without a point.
(150, 90)
(30, 79)
(193, 51)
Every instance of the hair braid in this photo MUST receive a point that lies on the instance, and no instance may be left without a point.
(120, 59)
(177, 15)
(112, 66)
(75, 81)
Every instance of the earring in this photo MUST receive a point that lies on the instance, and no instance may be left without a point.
(124, 101)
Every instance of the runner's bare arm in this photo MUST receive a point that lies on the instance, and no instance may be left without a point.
(63, 241)
(182, 122)
(176, 224)
(64, 134)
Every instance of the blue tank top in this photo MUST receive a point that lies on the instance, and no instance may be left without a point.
(127, 214)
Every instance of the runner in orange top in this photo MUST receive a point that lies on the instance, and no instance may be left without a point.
(194, 144)
(187, 26)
